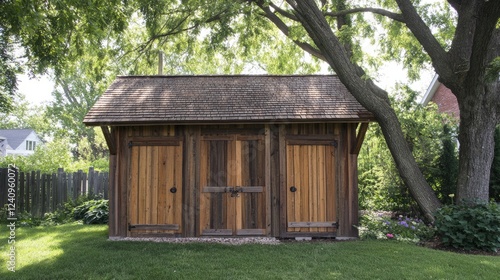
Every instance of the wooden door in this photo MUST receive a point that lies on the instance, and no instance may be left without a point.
(155, 188)
(311, 187)
(232, 189)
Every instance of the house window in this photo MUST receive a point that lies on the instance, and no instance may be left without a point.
(30, 145)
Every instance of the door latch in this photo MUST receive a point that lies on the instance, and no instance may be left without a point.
(235, 192)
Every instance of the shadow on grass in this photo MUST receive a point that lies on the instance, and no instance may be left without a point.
(83, 252)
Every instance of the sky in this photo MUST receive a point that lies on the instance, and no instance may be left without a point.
(36, 90)
(39, 90)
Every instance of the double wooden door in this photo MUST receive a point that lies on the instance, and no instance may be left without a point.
(311, 186)
(232, 185)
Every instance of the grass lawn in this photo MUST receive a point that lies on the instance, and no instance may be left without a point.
(83, 252)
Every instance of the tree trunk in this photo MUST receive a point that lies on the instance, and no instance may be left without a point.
(372, 98)
(476, 136)
(406, 164)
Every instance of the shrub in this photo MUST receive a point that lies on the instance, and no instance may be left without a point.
(469, 227)
(92, 212)
(401, 229)
(65, 214)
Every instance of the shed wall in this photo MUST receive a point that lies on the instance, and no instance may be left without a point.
(257, 155)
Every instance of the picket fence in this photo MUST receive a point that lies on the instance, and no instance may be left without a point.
(38, 193)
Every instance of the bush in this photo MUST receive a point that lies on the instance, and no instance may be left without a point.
(92, 212)
(402, 229)
(469, 227)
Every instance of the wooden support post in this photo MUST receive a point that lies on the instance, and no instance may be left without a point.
(363, 127)
(110, 139)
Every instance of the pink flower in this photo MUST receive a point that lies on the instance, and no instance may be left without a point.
(390, 235)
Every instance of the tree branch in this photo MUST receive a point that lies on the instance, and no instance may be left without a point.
(67, 92)
(177, 30)
(386, 13)
(286, 31)
(422, 32)
(283, 12)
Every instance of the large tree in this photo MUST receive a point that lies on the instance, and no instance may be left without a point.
(463, 68)
(465, 55)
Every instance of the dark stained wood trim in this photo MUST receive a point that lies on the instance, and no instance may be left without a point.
(267, 178)
(155, 141)
(251, 232)
(283, 178)
(112, 194)
(228, 189)
(274, 173)
(293, 234)
(122, 181)
(310, 137)
(217, 137)
(363, 127)
(217, 232)
(243, 131)
(110, 139)
(332, 142)
(154, 227)
(250, 137)
(196, 192)
(215, 189)
(312, 224)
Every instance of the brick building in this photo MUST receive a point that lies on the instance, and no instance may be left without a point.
(443, 97)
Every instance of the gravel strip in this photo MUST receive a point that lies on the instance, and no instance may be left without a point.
(217, 240)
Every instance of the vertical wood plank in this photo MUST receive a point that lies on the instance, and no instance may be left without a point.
(177, 166)
(315, 183)
(270, 182)
(162, 194)
(305, 184)
(283, 179)
(153, 191)
(237, 212)
(204, 181)
(170, 173)
(133, 213)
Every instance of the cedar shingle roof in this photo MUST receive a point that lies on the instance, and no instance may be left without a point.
(225, 99)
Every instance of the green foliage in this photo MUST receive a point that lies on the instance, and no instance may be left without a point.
(8, 70)
(446, 181)
(25, 115)
(92, 212)
(64, 214)
(430, 136)
(380, 226)
(470, 227)
(495, 169)
(493, 70)
(47, 158)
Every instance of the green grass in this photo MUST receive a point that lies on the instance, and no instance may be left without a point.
(83, 252)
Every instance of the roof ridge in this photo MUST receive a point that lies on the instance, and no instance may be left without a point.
(226, 76)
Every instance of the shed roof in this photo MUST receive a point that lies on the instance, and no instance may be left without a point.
(225, 99)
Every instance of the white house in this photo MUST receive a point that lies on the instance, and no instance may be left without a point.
(18, 142)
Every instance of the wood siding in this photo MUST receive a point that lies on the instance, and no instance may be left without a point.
(234, 180)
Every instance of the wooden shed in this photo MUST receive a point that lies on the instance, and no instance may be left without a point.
(247, 155)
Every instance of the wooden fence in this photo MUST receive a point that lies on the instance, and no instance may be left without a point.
(38, 193)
